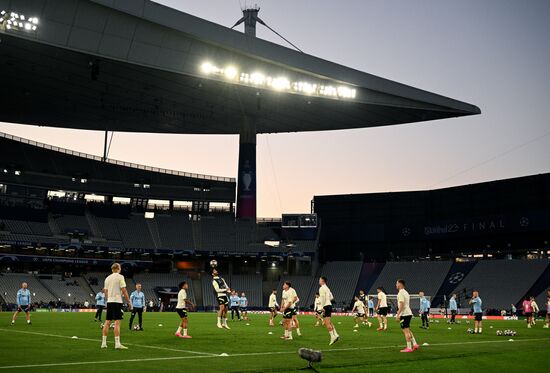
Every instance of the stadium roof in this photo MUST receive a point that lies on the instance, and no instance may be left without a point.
(134, 65)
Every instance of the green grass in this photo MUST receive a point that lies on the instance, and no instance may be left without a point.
(252, 349)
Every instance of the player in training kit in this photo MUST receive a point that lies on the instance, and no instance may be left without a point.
(138, 304)
(370, 305)
(243, 305)
(404, 316)
(547, 319)
(363, 298)
(424, 310)
(453, 307)
(318, 308)
(359, 309)
(272, 307)
(114, 289)
(99, 304)
(221, 289)
(477, 303)
(288, 307)
(234, 305)
(528, 311)
(181, 310)
(326, 301)
(23, 303)
(535, 308)
(382, 309)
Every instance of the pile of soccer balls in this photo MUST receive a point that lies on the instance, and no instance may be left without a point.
(507, 333)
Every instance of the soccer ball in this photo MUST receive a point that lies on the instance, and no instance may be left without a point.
(213, 263)
(499, 332)
(136, 327)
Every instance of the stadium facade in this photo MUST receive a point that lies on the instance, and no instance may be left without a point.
(499, 218)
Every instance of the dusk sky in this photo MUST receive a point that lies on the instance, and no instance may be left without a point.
(491, 53)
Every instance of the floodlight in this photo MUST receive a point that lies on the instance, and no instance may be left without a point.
(207, 67)
(230, 72)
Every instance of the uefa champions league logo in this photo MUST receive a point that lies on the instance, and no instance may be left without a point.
(406, 231)
(523, 221)
(455, 278)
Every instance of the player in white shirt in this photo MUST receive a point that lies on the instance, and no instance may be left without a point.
(114, 289)
(382, 309)
(318, 308)
(273, 305)
(404, 316)
(288, 308)
(326, 301)
(181, 309)
(535, 308)
(359, 309)
(221, 289)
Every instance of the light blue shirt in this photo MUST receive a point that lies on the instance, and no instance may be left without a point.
(370, 304)
(100, 299)
(424, 305)
(234, 300)
(452, 305)
(137, 298)
(477, 305)
(23, 297)
(243, 301)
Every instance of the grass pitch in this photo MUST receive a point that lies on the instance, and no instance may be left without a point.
(48, 345)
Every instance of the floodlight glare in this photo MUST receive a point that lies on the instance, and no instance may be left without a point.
(207, 67)
(230, 72)
(257, 78)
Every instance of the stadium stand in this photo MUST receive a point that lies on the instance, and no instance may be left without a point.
(251, 285)
(61, 288)
(502, 282)
(303, 285)
(151, 281)
(175, 231)
(419, 276)
(11, 282)
(342, 279)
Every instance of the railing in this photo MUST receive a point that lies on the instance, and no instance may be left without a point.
(116, 162)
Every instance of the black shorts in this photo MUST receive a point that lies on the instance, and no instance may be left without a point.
(360, 315)
(114, 311)
(319, 312)
(137, 310)
(25, 309)
(405, 321)
(223, 300)
(478, 316)
(327, 311)
(383, 311)
(100, 307)
(528, 314)
(289, 312)
(273, 309)
(453, 312)
(244, 309)
(182, 312)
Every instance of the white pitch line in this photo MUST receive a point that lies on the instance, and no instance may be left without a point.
(247, 354)
(99, 340)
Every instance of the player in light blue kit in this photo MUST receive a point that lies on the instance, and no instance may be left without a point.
(243, 304)
(138, 304)
(424, 310)
(476, 302)
(453, 307)
(23, 303)
(99, 304)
